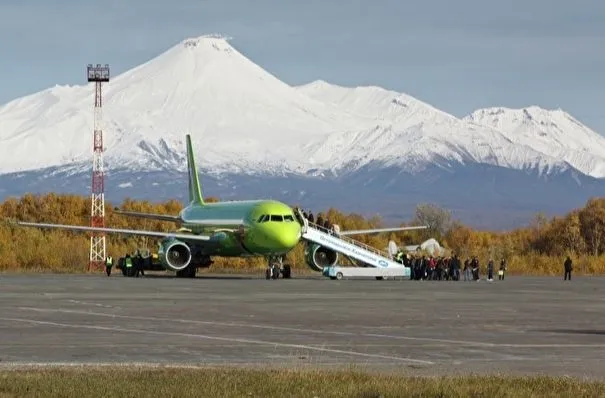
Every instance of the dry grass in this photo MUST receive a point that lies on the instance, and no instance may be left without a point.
(230, 382)
(540, 265)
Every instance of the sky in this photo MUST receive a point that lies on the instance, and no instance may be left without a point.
(456, 55)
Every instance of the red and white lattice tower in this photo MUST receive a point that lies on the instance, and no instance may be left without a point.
(99, 75)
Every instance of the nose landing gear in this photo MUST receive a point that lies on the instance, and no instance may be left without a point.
(276, 267)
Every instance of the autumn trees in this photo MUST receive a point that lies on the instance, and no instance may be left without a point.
(581, 234)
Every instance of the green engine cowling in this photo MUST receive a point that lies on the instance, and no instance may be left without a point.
(317, 257)
(174, 255)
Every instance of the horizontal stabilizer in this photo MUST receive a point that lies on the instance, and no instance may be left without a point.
(159, 217)
(379, 230)
(153, 234)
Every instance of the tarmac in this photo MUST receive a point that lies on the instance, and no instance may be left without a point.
(522, 325)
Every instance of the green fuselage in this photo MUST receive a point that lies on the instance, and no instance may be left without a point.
(243, 228)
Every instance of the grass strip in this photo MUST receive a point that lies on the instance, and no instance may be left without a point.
(237, 382)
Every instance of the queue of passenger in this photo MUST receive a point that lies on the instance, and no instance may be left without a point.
(321, 223)
(425, 267)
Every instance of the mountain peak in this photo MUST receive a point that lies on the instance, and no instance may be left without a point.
(244, 119)
(215, 42)
(551, 131)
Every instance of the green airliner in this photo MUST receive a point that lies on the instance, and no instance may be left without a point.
(227, 229)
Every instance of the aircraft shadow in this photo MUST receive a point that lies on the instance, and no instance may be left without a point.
(227, 277)
(573, 331)
(217, 277)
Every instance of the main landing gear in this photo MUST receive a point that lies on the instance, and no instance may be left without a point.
(191, 269)
(188, 272)
(276, 267)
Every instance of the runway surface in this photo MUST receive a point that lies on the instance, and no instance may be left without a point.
(518, 326)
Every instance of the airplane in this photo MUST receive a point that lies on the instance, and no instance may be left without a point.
(246, 228)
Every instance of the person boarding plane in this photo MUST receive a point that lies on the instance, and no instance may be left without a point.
(247, 228)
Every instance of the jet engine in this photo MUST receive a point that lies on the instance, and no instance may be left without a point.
(174, 254)
(317, 257)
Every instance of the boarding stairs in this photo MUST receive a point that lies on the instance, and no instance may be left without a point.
(349, 247)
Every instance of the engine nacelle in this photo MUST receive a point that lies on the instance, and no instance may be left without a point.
(174, 254)
(317, 257)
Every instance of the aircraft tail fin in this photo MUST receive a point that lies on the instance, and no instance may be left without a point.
(195, 188)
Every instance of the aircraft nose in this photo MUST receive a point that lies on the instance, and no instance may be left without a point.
(287, 237)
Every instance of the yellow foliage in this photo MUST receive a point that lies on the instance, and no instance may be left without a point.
(537, 250)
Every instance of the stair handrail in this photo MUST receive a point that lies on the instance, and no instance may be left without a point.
(350, 240)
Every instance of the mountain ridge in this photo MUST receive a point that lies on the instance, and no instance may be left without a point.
(245, 121)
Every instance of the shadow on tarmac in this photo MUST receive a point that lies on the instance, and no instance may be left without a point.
(573, 331)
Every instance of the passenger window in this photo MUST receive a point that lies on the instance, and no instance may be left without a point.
(276, 218)
(288, 218)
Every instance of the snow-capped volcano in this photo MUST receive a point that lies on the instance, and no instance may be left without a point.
(239, 116)
(243, 120)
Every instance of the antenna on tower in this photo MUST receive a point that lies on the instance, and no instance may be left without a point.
(98, 74)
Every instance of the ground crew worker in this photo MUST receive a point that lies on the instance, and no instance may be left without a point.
(568, 268)
(108, 265)
(138, 265)
(128, 265)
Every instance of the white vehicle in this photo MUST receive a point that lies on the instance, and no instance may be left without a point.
(338, 272)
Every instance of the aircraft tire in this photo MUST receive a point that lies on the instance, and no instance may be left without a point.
(339, 275)
(188, 272)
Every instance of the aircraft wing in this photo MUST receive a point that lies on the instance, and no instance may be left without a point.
(159, 217)
(154, 234)
(379, 230)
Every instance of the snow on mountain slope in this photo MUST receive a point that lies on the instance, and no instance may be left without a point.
(527, 137)
(239, 116)
(411, 133)
(242, 118)
(551, 132)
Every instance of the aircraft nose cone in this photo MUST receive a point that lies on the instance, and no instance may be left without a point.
(287, 238)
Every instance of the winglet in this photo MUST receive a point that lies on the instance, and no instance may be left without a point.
(195, 188)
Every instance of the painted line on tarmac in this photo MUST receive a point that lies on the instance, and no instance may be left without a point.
(484, 344)
(190, 321)
(317, 331)
(87, 303)
(216, 338)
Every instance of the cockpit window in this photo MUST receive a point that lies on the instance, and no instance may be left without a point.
(275, 217)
